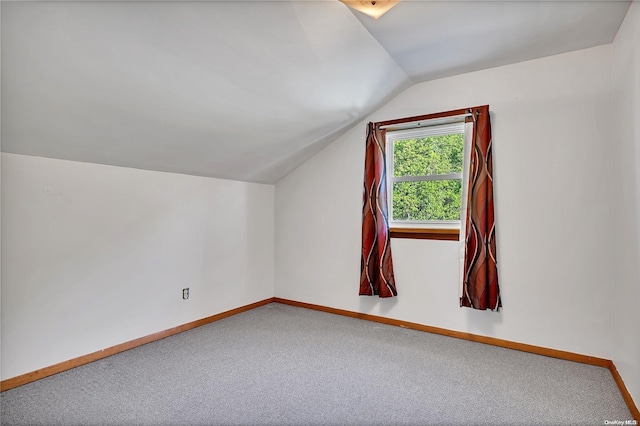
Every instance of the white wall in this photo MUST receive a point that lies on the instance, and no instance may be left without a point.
(626, 121)
(0, 192)
(552, 136)
(94, 255)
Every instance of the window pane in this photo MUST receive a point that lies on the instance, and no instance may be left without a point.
(427, 200)
(428, 156)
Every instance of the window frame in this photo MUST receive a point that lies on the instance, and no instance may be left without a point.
(434, 230)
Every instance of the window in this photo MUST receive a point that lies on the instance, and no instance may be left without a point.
(424, 172)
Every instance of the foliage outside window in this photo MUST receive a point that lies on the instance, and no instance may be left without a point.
(425, 175)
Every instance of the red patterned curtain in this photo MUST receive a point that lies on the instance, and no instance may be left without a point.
(376, 271)
(480, 280)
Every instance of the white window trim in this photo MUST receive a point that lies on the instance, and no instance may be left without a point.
(425, 130)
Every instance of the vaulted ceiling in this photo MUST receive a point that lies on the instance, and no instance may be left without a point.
(247, 90)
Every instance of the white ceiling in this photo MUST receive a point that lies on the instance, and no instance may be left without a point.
(247, 90)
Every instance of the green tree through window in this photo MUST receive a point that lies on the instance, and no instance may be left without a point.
(436, 197)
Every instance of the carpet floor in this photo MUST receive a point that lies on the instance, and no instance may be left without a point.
(282, 365)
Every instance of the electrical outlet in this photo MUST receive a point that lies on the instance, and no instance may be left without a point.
(185, 293)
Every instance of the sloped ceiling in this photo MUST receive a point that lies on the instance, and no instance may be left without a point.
(247, 90)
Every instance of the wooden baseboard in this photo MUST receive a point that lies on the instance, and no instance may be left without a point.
(86, 359)
(585, 359)
(538, 350)
(633, 408)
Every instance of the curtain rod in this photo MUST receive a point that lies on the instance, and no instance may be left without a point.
(427, 122)
(428, 117)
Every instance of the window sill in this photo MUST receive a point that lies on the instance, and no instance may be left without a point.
(446, 234)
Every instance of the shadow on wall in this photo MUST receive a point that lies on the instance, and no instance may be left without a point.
(367, 305)
(477, 322)
(482, 322)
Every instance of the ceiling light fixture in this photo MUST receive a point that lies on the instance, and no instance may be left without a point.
(373, 8)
